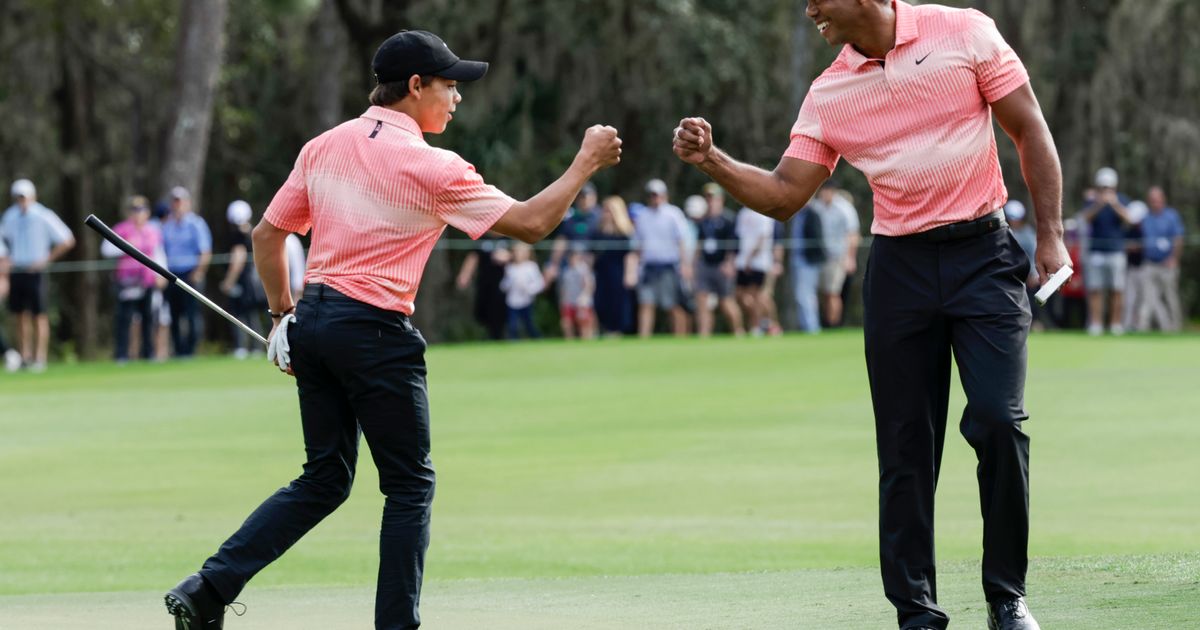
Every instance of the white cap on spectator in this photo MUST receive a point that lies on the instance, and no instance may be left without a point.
(179, 192)
(239, 212)
(695, 207)
(1107, 177)
(1137, 211)
(1014, 210)
(24, 188)
(656, 187)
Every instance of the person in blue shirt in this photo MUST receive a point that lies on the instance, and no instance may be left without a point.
(187, 242)
(1162, 245)
(1107, 216)
(35, 237)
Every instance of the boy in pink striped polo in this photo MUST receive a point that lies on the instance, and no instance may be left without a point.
(376, 198)
(909, 102)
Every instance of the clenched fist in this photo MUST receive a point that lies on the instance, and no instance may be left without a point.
(693, 140)
(601, 147)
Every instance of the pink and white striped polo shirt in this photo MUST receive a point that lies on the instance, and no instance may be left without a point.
(377, 198)
(918, 125)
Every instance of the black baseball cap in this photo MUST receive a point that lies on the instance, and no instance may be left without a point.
(420, 52)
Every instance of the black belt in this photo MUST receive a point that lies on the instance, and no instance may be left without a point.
(319, 292)
(964, 229)
(324, 292)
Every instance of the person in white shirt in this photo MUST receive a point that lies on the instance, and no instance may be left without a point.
(756, 236)
(840, 226)
(296, 264)
(663, 240)
(523, 281)
(35, 237)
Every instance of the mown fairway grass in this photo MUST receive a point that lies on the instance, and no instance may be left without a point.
(622, 484)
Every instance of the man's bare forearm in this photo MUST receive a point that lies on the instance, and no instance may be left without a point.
(202, 267)
(270, 260)
(60, 250)
(534, 219)
(759, 189)
(1043, 175)
(543, 212)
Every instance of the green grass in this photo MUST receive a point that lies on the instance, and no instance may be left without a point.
(691, 484)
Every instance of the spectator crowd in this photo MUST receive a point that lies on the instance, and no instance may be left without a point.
(151, 319)
(618, 268)
(1126, 253)
(651, 266)
(612, 268)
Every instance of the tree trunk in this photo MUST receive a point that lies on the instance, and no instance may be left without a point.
(801, 55)
(79, 314)
(197, 68)
(331, 48)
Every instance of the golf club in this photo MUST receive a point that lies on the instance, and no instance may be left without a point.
(1053, 284)
(125, 246)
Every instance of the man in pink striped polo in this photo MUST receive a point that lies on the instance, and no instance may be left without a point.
(909, 102)
(376, 198)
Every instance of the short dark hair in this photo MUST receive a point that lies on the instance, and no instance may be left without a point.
(393, 92)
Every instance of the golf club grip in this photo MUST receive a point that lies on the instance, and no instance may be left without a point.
(125, 246)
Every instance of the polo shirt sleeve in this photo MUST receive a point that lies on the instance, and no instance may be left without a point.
(289, 210)
(682, 229)
(59, 232)
(808, 142)
(998, 70)
(853, 224)
(203, 236)
(1177, 227)
(467, 203)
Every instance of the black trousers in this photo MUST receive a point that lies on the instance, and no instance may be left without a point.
(359, 369)
(924, 301)
(185, 318)
(126, 309)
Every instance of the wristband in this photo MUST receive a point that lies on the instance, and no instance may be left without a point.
(275, 315)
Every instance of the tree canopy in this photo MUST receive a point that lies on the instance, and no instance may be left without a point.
(93, 89)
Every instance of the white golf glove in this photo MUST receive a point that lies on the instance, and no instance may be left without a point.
(278, 347)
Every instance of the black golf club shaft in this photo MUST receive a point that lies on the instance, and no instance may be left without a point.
(141, 257)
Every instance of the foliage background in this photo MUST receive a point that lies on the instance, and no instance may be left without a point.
(88, 96)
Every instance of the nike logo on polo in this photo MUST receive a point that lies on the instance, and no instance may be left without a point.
(924, 58)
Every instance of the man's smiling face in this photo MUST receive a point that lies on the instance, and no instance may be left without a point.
(839, 21)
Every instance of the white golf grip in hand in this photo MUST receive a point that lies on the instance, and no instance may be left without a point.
(1053, 283)
(278, 347)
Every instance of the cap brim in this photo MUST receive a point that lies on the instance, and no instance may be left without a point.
(465, 70)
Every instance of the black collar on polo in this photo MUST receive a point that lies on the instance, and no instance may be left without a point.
(422, 53)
